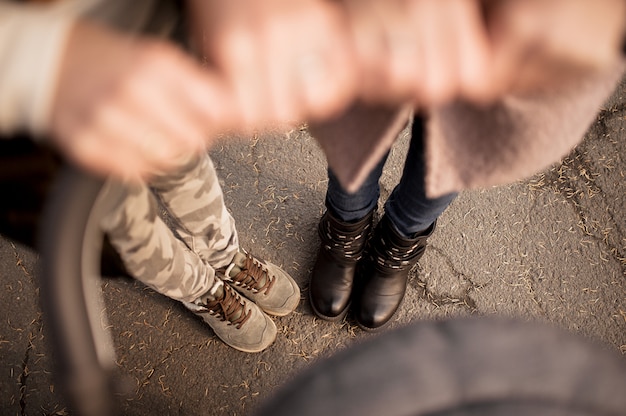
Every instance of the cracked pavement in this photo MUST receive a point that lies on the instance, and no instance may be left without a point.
(550, 248)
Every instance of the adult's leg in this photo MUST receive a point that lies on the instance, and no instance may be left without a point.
(351, 207)
(343, 231)
(408, 207)
(398, 241)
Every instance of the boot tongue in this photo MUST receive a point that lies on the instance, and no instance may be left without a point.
(239, 260)
(238, 265)
(216, 292)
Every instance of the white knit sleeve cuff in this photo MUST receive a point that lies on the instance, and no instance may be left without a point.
(32, 41)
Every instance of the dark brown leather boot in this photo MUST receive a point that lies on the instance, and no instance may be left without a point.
(383, 273)
(341, 247)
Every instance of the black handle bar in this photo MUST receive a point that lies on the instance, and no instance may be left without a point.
(70, 247)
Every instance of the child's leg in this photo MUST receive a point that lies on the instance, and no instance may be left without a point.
(194, 198)
(149, 249)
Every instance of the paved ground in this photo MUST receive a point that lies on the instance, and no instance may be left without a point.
(551, 248)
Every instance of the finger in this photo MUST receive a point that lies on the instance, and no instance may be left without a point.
(308, 72)
(145, 141)
(285, 95)
(439, 52)
(328, 81)
(93, 151)
(245, 68)
(168, 114)
(368, 28)
(404, 46)
(202, 97)
(328, 71)
(515, 36)
(474, 52)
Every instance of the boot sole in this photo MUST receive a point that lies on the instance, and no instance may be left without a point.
(288, 310)
(373, 330)
(378, 328)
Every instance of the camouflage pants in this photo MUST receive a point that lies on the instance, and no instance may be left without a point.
(181, 268)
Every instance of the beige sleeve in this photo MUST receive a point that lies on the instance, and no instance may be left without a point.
(32, 39)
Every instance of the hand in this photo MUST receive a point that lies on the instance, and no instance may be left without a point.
(538, 43)
(423, 51)
(131, 107)
(285, 60)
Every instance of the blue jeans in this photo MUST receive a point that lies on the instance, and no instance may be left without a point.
(408, 208)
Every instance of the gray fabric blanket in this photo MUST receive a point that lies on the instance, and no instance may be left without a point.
(469, 146)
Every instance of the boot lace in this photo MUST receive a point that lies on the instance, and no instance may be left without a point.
(253, 276)
(231, 308)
